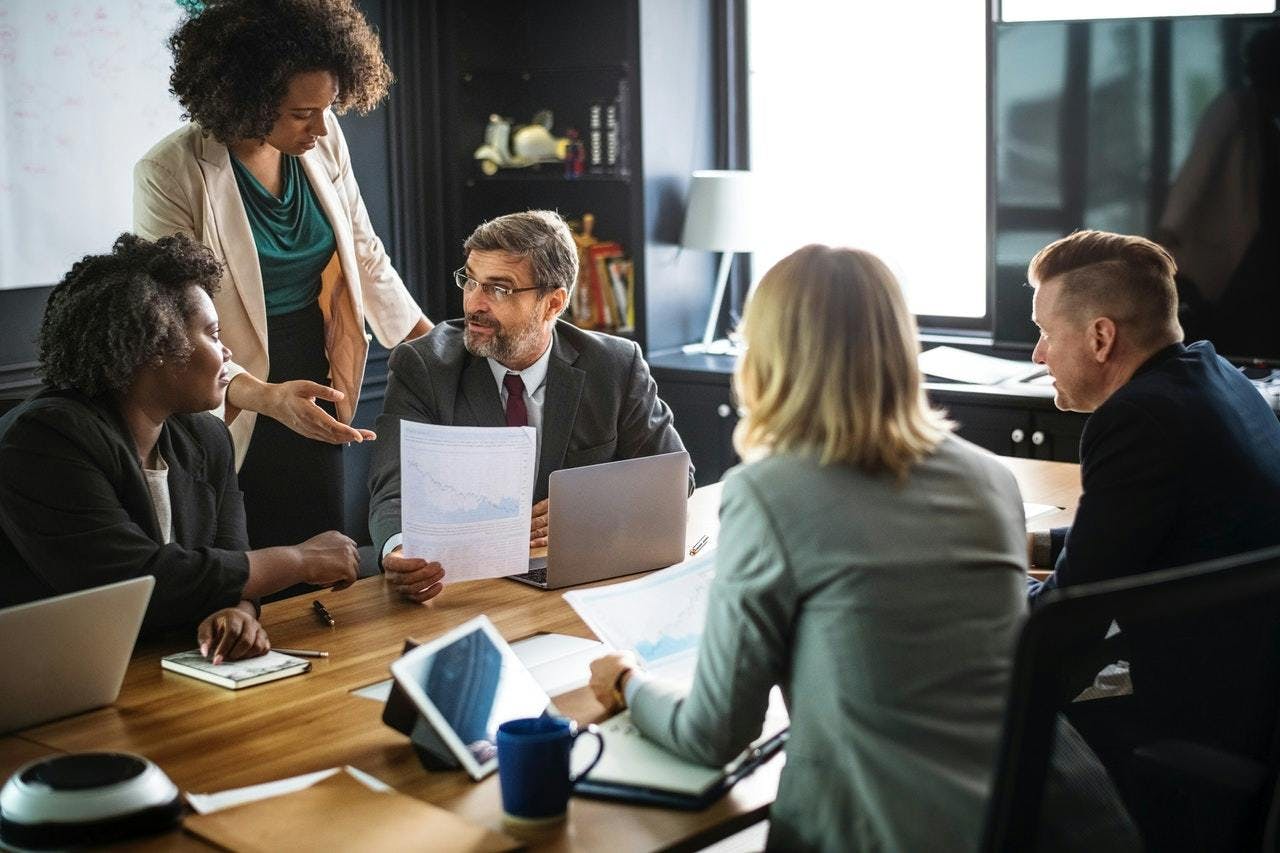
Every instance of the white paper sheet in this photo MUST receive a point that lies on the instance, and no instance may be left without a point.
(467, 496)
(379, 691)
(1031, 510)
(558, 662)
(660, 617)
(964, 366)
(209, 803)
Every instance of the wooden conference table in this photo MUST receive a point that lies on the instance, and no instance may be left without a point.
(209, 739)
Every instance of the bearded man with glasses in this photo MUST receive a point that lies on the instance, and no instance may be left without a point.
(510, 361)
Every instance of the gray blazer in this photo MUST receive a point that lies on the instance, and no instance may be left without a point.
(601, 405)
(887, 612)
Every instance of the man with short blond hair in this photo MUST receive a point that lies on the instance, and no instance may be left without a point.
(1179, 463)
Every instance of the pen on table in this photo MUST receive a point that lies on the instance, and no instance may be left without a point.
(301, 653)
(697, 546)
(323, 613)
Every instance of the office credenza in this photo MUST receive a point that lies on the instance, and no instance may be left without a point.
(1009, 421)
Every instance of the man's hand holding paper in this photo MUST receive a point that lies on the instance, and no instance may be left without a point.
(413, 577)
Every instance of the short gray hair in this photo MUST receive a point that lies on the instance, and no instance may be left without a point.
(542, 236)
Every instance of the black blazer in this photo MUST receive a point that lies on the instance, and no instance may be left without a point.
(75, 511)
(601, 405)
(1180, 465)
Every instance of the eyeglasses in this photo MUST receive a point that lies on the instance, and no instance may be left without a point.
(496, 292)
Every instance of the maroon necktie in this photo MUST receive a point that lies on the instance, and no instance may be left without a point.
(517, 415)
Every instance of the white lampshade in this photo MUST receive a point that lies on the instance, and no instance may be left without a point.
(721, 214)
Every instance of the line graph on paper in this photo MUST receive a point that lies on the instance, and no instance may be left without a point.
(659, 617)
(452, 496)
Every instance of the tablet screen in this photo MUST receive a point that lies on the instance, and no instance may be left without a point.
(476, 685)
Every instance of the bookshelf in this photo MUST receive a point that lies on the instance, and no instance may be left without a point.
(651, 62)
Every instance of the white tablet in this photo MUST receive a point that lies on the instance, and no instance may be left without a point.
(465, 684)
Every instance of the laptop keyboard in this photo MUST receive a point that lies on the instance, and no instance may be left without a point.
(538, 576)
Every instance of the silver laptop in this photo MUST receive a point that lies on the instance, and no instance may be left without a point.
(613, 519)
(68, 654)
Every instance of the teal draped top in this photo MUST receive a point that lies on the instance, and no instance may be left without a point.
(294, 239)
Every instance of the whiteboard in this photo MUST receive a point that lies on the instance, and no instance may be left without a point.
(86, 94)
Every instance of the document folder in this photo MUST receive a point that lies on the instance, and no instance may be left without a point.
(643, 773)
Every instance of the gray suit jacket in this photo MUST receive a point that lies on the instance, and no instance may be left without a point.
(887, 612)
(601, 405)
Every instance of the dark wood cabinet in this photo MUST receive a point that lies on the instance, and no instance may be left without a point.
(1009, 422)
(697, 388)
(1023, 427)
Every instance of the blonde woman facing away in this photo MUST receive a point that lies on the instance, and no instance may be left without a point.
(870, 563)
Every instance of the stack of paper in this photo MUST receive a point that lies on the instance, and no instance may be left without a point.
(975, 368)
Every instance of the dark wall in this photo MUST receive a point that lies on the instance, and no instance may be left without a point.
(676, 107)
(20, 312)
(368, 138)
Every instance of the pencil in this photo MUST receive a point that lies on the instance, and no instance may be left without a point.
(697, 546)
(302, 653)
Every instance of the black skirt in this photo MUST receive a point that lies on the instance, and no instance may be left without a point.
(293, 486)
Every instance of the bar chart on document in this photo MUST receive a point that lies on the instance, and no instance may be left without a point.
(466, 497)
(659, 617)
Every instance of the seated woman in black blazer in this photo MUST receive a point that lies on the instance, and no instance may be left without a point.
(115, 470)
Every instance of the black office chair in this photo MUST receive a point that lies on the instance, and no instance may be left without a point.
(1200, 784)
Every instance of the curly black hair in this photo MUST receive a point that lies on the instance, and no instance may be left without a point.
(232, 62)
(112, 314)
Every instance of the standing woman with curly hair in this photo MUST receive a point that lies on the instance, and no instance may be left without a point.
(115, 470)
(262, 176)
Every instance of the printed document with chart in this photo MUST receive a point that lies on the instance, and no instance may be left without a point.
(659, 617)
(467, 497)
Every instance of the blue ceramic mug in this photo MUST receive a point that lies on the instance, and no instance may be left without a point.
(533, 766)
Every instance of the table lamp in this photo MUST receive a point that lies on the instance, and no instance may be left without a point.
(721, 217)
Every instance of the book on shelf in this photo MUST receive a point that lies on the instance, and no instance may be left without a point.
(607, 313)
(603, 296)
(595, 136)
(622, 277)
(235, 674)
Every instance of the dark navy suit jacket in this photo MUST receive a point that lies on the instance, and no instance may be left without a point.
(1180, 465)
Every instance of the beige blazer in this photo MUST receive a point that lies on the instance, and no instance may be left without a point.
(186, 184)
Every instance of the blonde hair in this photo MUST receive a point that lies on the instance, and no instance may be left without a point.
(830, 367)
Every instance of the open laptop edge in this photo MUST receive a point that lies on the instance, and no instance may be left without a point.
(615, 518)
(79, 646)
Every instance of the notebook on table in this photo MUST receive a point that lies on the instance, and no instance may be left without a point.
(236, 674)
(635, 769)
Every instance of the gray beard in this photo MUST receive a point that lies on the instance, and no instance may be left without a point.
(503, 347)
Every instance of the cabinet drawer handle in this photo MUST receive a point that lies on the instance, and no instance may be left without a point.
(723, 410)
(1037, 438)
(1017, 436)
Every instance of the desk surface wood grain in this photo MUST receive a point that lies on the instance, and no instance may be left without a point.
(210, 739)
